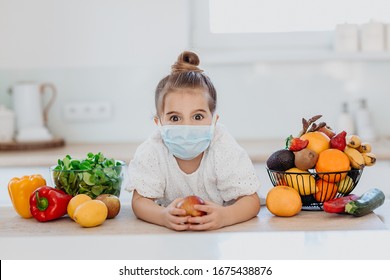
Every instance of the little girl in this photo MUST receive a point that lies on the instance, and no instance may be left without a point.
(190, 154)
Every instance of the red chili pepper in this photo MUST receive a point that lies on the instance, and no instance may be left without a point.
(337, 205)
(296, 144)
(47, 203)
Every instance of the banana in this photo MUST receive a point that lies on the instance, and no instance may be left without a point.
(353, 141)
(356, 159)
(369, 159)
(365, 147)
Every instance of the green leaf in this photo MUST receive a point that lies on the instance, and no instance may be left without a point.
(110, 172)
(88, 179)
(97, 190)
(66, 162)
(86, 164)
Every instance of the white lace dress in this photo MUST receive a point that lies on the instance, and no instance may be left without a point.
(225, 172)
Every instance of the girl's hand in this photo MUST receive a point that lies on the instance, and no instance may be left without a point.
(174, 218)
(214, 218)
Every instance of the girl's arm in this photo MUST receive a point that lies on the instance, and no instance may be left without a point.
(245, 208)
(146, 209)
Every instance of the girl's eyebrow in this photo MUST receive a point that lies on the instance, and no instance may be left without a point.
(199, 110)
(172, 113)
(178, 113)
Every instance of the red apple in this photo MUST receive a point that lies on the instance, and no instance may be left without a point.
(113, 204)
(328, 131)
(188, 203)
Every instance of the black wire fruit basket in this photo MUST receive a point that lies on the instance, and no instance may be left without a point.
(317, 187)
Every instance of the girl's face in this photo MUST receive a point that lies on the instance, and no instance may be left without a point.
(186, 106)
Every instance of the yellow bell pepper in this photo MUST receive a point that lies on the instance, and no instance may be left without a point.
(20, 189)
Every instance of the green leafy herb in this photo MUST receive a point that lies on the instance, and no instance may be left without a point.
(93, 175)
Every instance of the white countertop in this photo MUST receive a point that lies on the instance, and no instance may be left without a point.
(308, 235)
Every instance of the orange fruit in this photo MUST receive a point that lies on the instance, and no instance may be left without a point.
(318, 141)
(326, 190)
(283, 201)
(333, 160)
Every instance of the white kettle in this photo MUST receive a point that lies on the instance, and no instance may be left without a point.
(30, 112)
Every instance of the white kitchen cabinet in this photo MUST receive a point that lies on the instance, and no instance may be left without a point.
(266, 184)
(377, 176)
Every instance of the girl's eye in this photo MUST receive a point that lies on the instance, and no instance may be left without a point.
(174, 118)
(198, 117)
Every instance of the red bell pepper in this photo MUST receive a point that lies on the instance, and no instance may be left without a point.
(48, 203)
(337, 205)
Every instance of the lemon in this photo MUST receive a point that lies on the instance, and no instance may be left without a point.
(75, 202)
(91, 213)
(303, 182)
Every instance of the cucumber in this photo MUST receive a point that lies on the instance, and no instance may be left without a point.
(368, 202)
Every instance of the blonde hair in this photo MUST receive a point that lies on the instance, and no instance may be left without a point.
(185, 74)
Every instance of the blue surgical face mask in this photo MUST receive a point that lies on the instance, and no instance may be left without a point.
(187, 141)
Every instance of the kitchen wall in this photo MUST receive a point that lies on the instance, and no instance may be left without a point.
(117, 51)
(107, 51)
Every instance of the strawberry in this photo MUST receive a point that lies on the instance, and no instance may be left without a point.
(338, 141)
(295, 144)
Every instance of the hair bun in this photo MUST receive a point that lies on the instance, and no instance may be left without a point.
(186, 62)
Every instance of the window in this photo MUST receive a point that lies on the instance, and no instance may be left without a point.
(277, 25)
(267, 16)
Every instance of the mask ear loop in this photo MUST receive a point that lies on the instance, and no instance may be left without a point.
(213, 123)
(214, 120)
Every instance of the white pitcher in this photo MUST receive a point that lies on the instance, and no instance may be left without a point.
(31, 114)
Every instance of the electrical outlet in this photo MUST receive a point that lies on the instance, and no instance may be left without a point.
(87, 111)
